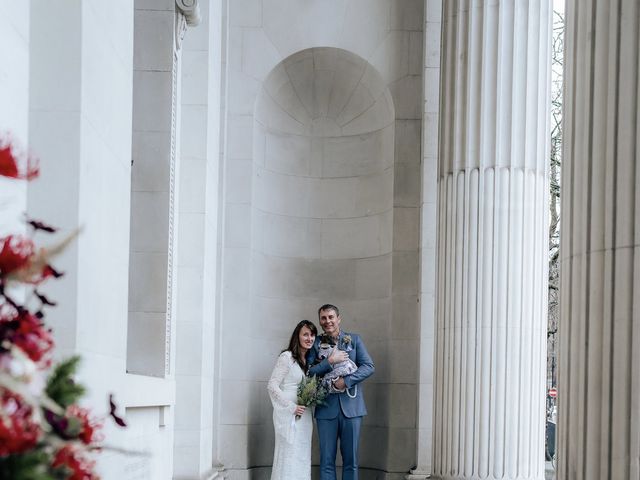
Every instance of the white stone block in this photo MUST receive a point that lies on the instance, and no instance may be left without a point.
(307, 278)
(402, 449)
(238, 174)
(243, 93)
(193, 185)
(146, 343)
(193, 131)
(371, 318)
(153, 40)
(373, 277)
(406, 93)
(403, 408)
(347, 74)
(405, 324)
(259, 55)
(407, 185)
(238, 225)
(427, 349)
(190, 294)
(416, 53)
(431, 90)
(301, 28)
(377, 117)
(152, 101)
(430, 138)
(274, 193)
(404, 359)
(432, 35)
(151, 160)
(356, 155)
(351, 238)
(433, 11)
(237, 310)
(235, 401)
(237, 265)
(332, 197)
(374, 194)
(233, 54)
(189, 346)
(391, 58)
(239, 135)
(406, 229)
(287, 236)
(288, 154)
(406, 15)
(191, 239)
(365, 25)
(162, 5)
(195, 78)
(245, 13)
(407, 141)
(405, 273)
(147, 282)
(149, 221)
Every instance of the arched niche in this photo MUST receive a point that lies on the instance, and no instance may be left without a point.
(322, 201)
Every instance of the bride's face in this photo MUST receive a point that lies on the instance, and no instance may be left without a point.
(306, 338)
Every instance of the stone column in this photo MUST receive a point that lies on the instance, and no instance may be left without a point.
(492, 240)
(599, 390)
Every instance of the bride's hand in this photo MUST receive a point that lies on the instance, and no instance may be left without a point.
(337, 356)
(300, 410)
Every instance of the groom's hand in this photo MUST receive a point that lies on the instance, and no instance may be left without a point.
(337, 356)
(339, 383)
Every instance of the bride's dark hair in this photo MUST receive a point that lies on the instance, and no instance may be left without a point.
(294, 343)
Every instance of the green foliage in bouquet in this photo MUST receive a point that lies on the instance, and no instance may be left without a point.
(311, 392)
(61, 388)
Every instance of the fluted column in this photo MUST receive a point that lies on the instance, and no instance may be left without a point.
(599, 391)
(492, 240)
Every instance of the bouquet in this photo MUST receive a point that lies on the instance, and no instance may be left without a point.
(311, 392)
(44, 433)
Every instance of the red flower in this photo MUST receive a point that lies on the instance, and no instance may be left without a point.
(78, 466)
(11, 166)
(18, 431)
(15, 253)
(89, 427)
(27, 332)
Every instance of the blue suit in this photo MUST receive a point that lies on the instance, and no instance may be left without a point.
(341, 415)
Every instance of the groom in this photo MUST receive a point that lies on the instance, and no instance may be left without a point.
(341, 416)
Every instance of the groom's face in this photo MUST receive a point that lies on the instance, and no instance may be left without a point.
(330, 322)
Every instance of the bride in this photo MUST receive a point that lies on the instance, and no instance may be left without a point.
(292, 423)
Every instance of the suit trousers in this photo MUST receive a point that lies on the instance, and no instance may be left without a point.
(347, 430)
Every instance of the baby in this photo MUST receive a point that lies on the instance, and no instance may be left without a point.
(341, 369)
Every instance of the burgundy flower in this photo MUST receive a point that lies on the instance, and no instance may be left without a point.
(18, 431)
(76, 424)
(15, 253)
(26, 331)
(76, 465)
(12, 165)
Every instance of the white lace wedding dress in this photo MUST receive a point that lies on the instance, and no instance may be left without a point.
(292, 453)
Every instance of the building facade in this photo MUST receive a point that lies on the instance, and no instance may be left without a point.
(234, 164)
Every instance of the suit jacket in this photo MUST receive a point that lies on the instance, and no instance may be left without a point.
(351, 407)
